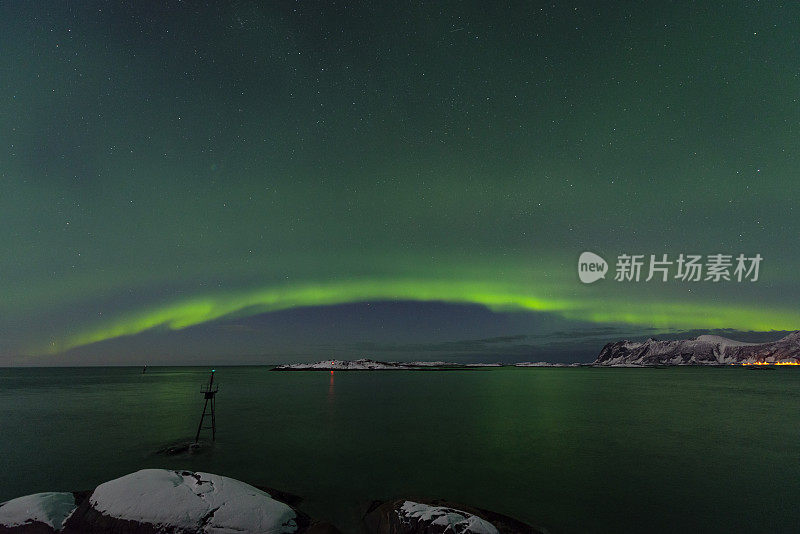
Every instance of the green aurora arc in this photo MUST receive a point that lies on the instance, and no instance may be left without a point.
(168, 166)
(496, 297)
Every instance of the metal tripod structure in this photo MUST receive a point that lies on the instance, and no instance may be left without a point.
(209, 391)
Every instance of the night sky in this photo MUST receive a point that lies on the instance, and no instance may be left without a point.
(235, 182)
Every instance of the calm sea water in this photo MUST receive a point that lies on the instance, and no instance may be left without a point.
(575, 450)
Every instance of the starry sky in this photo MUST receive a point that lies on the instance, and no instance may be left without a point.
(244, 183)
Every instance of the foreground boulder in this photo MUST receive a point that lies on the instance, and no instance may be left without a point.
(160, 501)
(39, 513)
(419, 516)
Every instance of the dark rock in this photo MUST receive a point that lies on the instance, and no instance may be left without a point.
(284, 496)
(183, 447)
(34, 527)
(86, 519)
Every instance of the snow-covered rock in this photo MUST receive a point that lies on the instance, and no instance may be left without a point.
(451, 521)
(160, 501)
(416, 516)
(703, 350)
(182, 501)
(46, 509)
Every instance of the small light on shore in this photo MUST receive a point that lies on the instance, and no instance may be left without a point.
(773, 363)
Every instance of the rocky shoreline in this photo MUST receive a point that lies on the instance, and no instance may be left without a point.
(159, 501)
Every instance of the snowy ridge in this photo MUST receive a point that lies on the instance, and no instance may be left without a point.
(545, 364)
(722, 341)
(51, 508)
(702, 350)
(453, 521)
(344, 365)
(192, 502)
(365, 364)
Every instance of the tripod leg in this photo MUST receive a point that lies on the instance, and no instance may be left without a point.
(213, 421)
(200, 426)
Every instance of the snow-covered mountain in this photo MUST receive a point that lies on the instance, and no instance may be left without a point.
(703, 350)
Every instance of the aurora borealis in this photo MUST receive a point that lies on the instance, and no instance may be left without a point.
(207, 168)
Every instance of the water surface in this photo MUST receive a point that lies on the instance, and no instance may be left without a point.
(575, 450)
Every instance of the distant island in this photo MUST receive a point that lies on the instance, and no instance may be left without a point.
(365, 364)
(702, 350)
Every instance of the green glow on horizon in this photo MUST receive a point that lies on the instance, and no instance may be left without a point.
(495, 296)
